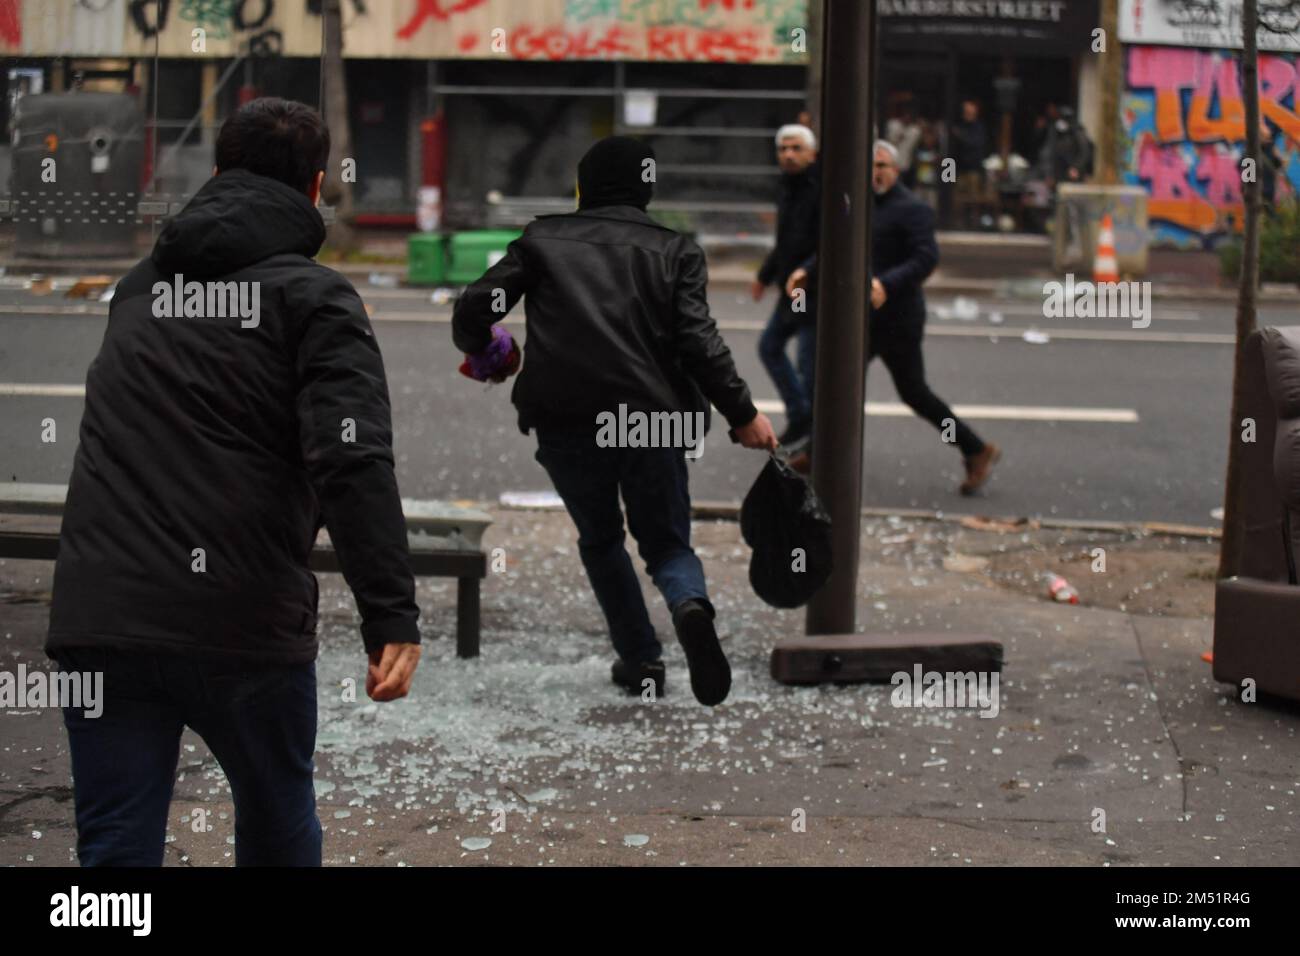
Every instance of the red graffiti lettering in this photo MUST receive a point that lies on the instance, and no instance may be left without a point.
(11, 22)
(434, 9)
(715, 46)
(557, 43)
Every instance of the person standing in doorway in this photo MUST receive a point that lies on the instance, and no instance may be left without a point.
(903, 254)
(970, 144)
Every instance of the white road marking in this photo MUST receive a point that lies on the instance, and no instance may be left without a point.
(43, 391)
(1022, 413)
(1026, 413)
(1011, 333)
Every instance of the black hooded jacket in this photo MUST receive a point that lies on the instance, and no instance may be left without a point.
(616, 313)
(213, 448)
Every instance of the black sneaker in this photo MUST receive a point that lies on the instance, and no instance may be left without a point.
(710, 672)
(633, 676)
(795, 434)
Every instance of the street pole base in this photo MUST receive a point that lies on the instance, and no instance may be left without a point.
(859, 658)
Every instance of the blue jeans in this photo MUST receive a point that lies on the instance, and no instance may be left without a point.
(259, 721)
(654, 486)
(795, 388)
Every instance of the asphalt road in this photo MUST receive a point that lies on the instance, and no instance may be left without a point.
(1102, 421)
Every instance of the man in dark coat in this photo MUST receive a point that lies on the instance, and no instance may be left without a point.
(903, 254)
(618, 333)
(969, 147)
(798, 219)
(237, 402)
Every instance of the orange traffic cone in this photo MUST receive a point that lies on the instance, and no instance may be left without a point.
(1105, 267)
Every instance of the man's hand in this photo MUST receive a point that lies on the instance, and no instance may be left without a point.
(756, 289)
(391, 668)
(757, 434)
(878, 295)
(795, 281)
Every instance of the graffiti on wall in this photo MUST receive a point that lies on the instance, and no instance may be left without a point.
(11, 24)
(720, 31)
(1185, 129)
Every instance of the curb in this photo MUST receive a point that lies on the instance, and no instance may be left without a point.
(1027, 287)
(730, 511)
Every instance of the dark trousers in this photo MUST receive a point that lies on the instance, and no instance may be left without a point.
(653, 483)
(901, 354)
(259, 721)
(795, 388)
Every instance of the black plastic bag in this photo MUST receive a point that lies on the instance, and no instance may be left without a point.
(783, 520)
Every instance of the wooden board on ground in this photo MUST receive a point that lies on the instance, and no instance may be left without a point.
(857, 658)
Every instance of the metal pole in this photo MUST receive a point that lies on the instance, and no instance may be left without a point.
(844, 253)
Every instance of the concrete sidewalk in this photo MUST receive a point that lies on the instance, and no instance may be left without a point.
(531, 748)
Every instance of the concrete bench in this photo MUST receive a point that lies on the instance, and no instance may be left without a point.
(446, 540)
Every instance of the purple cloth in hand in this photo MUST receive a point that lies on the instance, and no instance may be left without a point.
(493, 359)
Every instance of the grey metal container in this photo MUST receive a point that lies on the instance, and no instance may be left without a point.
(96, 141)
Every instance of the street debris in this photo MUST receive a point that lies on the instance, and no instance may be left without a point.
(530, 499)
(1000, 525)
(965, 309)
(1059, 589)
(964, 563)
(88, 286)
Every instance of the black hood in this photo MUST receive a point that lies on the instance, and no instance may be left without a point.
(612, 173)
(238, 218)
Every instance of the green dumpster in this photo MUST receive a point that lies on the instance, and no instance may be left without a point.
(426, 259)
(473, 252)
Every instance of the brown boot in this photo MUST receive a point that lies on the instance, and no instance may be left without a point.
(801, 462)
(978, 467)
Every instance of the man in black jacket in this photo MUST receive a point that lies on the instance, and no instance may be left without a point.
(237, 401)
(798, 218)
(621, 362)
(903, 254)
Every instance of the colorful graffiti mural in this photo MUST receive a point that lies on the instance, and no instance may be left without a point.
(1185, 128)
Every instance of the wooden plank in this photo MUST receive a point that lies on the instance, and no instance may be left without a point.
(853, 658)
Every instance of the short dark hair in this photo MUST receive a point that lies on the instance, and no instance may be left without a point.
(280, 139)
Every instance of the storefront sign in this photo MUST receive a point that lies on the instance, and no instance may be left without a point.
(1022, 27)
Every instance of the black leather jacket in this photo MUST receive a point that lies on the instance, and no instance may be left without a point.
(615, 312)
